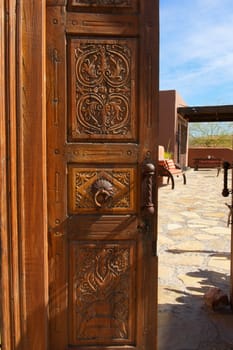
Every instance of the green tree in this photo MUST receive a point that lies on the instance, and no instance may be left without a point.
(214, 134)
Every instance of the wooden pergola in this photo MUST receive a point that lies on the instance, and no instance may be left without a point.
(198, 114)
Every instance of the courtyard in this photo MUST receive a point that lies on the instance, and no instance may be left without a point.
(194, 245)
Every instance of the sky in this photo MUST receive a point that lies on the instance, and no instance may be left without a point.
(196, 50)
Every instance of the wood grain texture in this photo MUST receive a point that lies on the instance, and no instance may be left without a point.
(25, 264)
(5, 280)
(10, 287)
(102, 93)
(32, 173)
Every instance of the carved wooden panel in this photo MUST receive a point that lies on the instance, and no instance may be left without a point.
(102, 292)
(102, 103)
(103, 4)
(106, 190)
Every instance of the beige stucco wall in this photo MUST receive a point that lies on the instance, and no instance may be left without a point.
(167, 119)
(169, 101)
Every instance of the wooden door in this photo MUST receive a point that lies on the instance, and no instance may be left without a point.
(102, 101)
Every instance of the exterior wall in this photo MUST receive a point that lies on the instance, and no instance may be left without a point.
(169, 124)
(166, 128)
(181, 144)
(160, 152)
(226, 154)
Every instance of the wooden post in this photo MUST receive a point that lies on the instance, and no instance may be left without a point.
(23, 206)
(5, 270)
(32, 172)
(10, 285)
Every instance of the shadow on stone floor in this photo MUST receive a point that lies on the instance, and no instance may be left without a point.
(194, 255)
(212, 253)
(190, 323)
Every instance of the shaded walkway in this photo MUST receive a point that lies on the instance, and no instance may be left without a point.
(194, 254)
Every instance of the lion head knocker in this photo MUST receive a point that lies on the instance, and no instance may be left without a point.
(103, 192)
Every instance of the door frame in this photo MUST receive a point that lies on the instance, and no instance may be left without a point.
(24, 286)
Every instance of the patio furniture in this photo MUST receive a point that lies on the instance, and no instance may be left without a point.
(167, 168)
(209, 162)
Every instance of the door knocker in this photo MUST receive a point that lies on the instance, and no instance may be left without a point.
(103, 192)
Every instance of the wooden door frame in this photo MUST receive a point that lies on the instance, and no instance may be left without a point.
(24, 271)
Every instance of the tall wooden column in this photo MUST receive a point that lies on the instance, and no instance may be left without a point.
(6, 70)
(32, 172)
(23, 175)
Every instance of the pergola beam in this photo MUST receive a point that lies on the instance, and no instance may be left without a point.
(198, 114)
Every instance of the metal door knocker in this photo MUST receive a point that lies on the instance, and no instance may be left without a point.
(102, 191)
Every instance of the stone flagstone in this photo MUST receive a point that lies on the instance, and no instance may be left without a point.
(194, 255)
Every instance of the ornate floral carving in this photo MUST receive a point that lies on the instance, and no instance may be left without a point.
(101, 291)
(83, 185)
(103, 88)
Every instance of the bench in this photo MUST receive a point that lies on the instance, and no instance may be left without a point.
(209, 162)
(167, 168)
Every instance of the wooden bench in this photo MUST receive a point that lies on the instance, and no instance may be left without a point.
(167, 168)
(210, 162)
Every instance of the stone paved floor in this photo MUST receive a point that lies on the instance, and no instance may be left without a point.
(194, 255)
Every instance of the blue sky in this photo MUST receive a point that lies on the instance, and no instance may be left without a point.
(196, 50)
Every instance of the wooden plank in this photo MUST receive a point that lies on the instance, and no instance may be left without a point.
(12, 175)
(32, 172)
(207, 113)
(97, 23)
(10, 302)
(5, 286)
